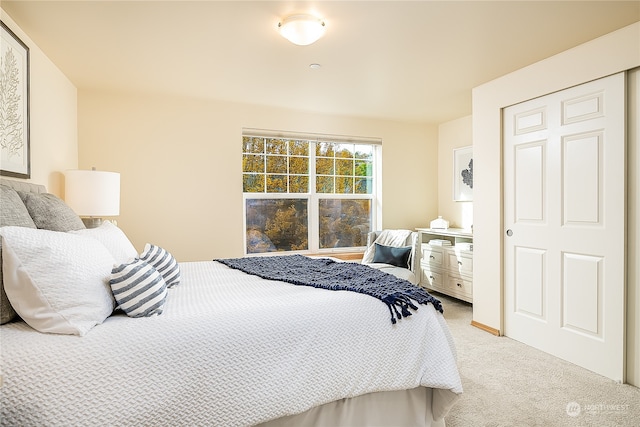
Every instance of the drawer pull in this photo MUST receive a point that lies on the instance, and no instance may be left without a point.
(459, 284)
(432, 278)
(459, 262)
(432, 257)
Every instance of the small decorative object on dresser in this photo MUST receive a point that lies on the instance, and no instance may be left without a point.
(439, 223)
(446, 261)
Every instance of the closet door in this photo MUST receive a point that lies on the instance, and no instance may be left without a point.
(564, 211)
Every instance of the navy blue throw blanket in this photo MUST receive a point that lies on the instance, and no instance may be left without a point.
(326, 273)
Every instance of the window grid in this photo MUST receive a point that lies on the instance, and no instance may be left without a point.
(276, 160)
(288, 168)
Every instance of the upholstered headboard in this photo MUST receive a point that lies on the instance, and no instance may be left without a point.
(26, 187)
(24, 204)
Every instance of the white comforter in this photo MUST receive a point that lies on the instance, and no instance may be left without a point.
(229, 350)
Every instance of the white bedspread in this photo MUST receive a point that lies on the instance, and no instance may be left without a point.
(229, 350)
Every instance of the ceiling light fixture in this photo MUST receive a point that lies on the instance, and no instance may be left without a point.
(301, 29)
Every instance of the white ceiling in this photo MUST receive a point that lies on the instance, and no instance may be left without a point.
(407, 61)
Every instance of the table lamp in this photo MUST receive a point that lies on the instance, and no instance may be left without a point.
(93, 194)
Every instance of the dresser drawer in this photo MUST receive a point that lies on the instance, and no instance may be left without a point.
(462, 263)
(431, 278)
(432, 256)
(460, 285)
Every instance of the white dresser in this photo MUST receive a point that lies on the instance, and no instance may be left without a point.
(447, 268)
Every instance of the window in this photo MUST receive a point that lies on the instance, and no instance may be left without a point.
(308, 194)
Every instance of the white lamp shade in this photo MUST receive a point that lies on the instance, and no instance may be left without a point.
(93, 193)
(302, 29)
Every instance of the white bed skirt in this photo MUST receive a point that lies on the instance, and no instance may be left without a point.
(380, 409)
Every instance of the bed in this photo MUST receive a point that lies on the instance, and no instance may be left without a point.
(228, 349)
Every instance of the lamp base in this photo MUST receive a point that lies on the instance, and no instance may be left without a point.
(92, 222)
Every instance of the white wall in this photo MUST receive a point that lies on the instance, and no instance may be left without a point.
(53, 117)
(180, 161)
(453, 134)
(614, 52)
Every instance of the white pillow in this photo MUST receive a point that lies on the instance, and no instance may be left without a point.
(113, 238)
(57, 282)
(139, 289)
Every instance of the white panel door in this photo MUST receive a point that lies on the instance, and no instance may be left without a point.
(564, 214)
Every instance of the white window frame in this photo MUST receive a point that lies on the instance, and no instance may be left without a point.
(313, 197)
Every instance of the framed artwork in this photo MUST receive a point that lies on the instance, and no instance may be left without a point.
(463, 174)
(14, 109)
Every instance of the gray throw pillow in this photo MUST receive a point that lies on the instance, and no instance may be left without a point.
(49, 212)
(12, 212)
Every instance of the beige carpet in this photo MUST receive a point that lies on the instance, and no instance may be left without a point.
(507, 383)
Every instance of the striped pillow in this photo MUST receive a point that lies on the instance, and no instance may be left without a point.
(162, 261)
(138, 288)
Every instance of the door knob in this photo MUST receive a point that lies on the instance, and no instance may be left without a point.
(509, 232)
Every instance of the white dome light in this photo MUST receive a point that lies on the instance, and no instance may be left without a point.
(301, 29)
